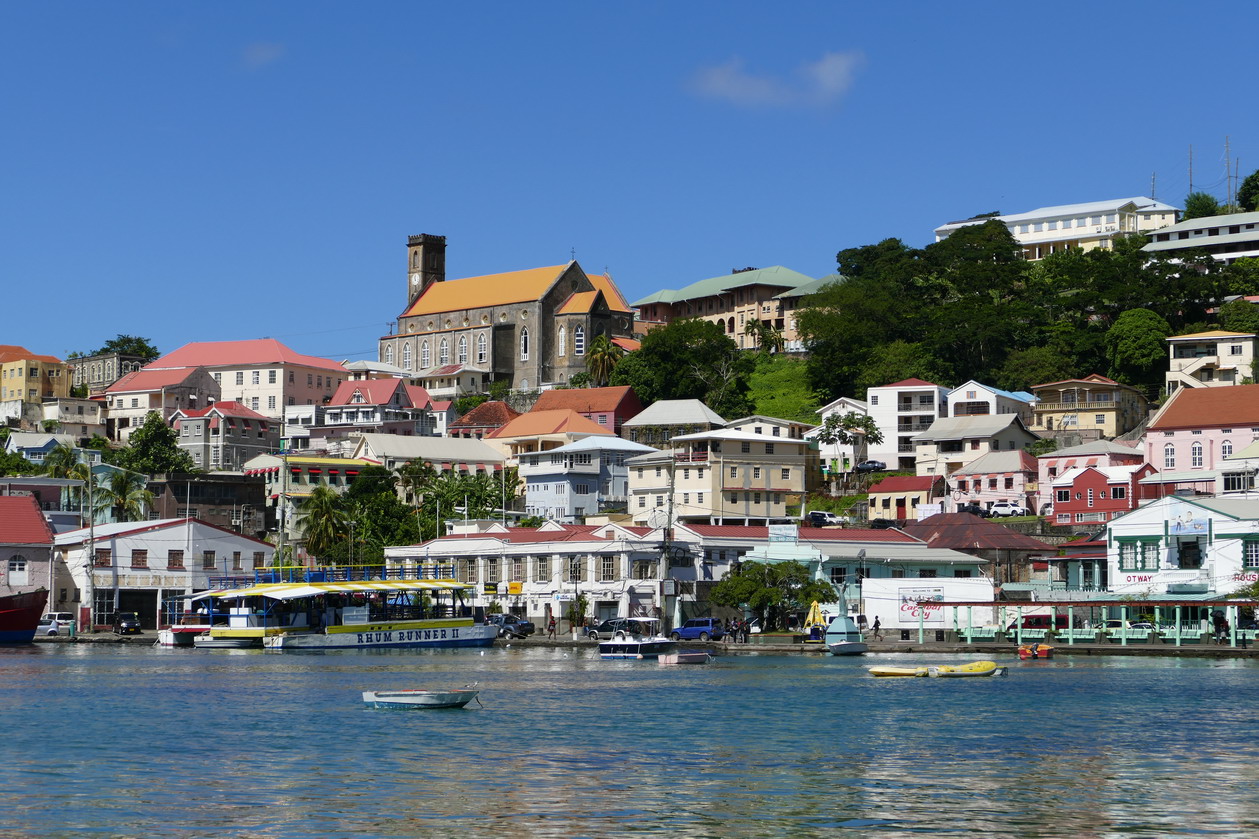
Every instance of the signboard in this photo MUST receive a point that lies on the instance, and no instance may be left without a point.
(932, 613)
(490, 588)
(784, 532)
(668, 588)
(927, 510)
(515, 587)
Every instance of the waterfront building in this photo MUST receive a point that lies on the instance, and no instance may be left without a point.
(230, 500)
(1089, 408)
(530, 328)
(149, 567)
(1184, 546)
(290, 478)
(1087, 226)
(1210, 359)
(26, 548)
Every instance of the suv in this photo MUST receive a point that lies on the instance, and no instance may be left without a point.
(127, 623)
(823, 518)
(1004, 509)
(871, 466)
(974, 510)
(699, 629)
(511, 626)
(619, 628)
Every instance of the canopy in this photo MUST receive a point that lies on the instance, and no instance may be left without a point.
(294, 591)
(814, 618)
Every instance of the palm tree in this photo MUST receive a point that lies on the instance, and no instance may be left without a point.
(414, 479)
(768, 337)
(126, 495)
(601, 360)
(324, 520)
(60, 461)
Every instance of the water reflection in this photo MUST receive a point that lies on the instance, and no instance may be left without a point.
(194, 742)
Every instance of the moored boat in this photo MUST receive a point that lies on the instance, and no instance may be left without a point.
(345, 614)
(419, 698)
(19, 615)
(974, 668)
(638, 645)
(913, 672)
(844, 638)
(1028, 651)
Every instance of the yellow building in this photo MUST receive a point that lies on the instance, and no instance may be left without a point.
(27, 377)
(1095, 407)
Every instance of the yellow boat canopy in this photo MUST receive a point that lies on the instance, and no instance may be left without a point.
(295, 591)
(814, 618)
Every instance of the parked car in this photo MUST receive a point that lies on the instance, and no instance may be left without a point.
(1039, 622)
(48, 625)
(617, 628)
(1114, 623)
(699, 629)
(871, 466)
(1004, 509)
(974, 510)
(511, 626)
(882, 524)
(127, 623)
(823, 518)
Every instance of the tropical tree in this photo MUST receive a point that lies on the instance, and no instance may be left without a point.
(125, 493)
(1248, 193)
(126, 345)
(772, 591)
(765, 335)
(324, 522)
(1136, 347)
(154, 448)
(602, 356)
(849, 429)
(1200, 205)
(60, 461)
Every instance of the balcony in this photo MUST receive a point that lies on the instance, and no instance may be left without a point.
(691, 457)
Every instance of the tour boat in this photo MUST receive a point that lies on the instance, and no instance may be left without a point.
(348, 614)
(19, 615)
(419, 698)
(634, 645)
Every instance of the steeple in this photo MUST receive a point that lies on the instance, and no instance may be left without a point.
(426, 264)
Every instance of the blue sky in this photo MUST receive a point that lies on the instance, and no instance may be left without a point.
(202, 171)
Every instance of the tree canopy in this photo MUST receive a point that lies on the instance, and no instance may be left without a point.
(153, 448)
(689, 359)
(126, 345)
(772, 591)
(1200, 205)
(1248, 193)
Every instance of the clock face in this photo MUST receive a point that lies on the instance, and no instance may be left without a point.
(415, 279)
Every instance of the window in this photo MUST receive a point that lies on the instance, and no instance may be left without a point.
(756, 472)
(207, 559)
(1138, 555)
(1195, 456)
(699, 498)
(734, 471)
(236, 566)
(1117, 492)
(240, 377)
(579, 341)
(562, 343)
(1235, 349)
(542, 569)
(1099, 419)
(747, 448)
(481, 348)
(926, 572)
(1090, 496)
(174, 559)
(786, 474)
(524, 344)
(270, 403)
(426, 356)
(18, 571)
(271, 374)
(443, 352)
(1251, 551)
(1226, 448)
(642, 502)
(1169, 456)
(101, 560)
(1062, 496)
(255, 377)
(260, 559)
(607, 568)
(406, 356)
(769, 448)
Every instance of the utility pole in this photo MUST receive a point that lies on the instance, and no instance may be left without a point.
(89, 590)
(1191, 168)
(1228, 173)
(1153, 175)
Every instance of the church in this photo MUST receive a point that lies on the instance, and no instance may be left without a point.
(530, 328)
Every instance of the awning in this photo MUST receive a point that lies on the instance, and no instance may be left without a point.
(294, 591)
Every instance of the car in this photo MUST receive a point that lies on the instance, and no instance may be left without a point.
(1005, 509)
(882, 524)
(127, 623)
(511, 626)
(823, 518)
(1039, 622)
(1114, 623)
(699, 629)
(871, 466)
(48, 625)
(619, 628)
(974, 510)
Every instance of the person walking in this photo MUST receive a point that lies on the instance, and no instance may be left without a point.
(876, 631)
(550, 628)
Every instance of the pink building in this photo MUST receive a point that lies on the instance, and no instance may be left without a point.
(1197, 428)
(997, 476)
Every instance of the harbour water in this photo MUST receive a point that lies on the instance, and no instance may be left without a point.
(123, 740)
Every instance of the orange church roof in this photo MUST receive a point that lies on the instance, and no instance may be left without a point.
(489, 290)
(582, 301)
(611, 294)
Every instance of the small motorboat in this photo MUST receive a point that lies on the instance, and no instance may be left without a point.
(684, 657)
(975, 668)
(1036, 651)
(426, 699)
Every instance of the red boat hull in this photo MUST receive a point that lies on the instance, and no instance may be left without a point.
(19, 615)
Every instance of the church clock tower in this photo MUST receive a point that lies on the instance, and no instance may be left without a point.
(426, 264)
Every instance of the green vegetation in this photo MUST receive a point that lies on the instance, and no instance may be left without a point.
(772, 591)
(689, 359)
(126, 345)
(779, 387)
(151, 449)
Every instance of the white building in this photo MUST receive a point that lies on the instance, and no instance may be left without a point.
(974, 399)
(1227, 238)
(900, 411)
(837, 457)
(1210, 359)
(954, 442)
(579, 479)
(1087, 226)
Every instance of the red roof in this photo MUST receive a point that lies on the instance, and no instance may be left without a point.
(591, 400)
(22, 522)
(150, 379)
(226, 409)
(1210, 407)
(966, 532)
(260, 351)
(907, 483)
(491, 414)
(808, 534)
(374, 392)
(13, 352)
(911, 383)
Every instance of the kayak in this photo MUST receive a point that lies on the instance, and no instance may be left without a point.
(942, 671)
(898, 671)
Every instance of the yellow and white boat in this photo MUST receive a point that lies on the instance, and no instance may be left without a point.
(943, 671)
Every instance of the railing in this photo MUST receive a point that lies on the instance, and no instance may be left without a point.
(691, 457)
(337, 574)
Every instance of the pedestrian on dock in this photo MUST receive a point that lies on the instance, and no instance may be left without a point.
(876, 631)
(550, 628)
